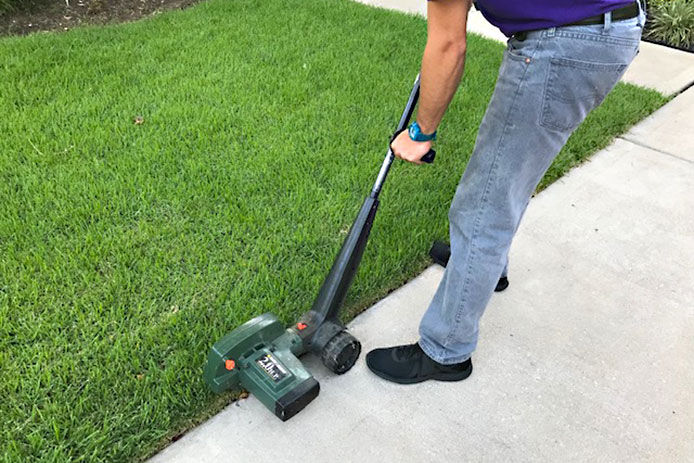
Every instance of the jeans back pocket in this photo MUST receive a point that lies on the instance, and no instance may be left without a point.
(574, 88)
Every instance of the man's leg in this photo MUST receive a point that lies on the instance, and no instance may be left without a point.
(504, 272)
(547, 85)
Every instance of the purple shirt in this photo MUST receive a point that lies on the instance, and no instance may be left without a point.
(513, 16)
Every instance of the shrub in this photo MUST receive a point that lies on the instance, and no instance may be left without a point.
(672, 22)
(8, 5)
(5, 5)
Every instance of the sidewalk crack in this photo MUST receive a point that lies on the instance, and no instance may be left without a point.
(643, 145)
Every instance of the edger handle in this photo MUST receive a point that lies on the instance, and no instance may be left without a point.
(404, 120)
(428, 158)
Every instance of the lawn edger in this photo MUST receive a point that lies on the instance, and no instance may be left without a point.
(262, 355)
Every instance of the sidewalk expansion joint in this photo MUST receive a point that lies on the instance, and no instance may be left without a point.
(643, 145)
(684, 89)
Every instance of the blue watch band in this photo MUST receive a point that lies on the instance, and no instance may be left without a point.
(416, 133)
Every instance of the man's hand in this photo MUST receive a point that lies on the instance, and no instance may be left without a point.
(408, 150)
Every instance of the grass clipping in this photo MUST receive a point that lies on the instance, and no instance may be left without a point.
(166, 180)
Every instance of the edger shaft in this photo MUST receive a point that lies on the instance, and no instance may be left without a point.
(262, 355)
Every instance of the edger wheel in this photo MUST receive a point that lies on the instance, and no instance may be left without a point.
(341, 352)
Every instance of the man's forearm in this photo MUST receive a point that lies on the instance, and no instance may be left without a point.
(441, 72)
(443, 61)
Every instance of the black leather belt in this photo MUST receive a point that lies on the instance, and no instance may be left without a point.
(620, 14)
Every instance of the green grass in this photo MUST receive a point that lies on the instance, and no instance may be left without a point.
(128, 249)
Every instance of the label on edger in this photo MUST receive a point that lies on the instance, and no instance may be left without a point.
(272, 367)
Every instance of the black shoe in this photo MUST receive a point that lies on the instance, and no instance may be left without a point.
(501, 285)
(440, 252)
(409, 364)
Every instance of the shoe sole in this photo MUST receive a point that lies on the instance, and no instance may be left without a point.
(436, 376)
(501, 285)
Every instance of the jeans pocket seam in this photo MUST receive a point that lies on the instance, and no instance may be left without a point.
(513, 53)
(593, 37)
(516, 57)
(551, 94)
(588, 65)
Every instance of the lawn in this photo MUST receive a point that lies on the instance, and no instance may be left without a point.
(128, 249)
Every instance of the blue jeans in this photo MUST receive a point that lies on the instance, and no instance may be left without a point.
(547, 85)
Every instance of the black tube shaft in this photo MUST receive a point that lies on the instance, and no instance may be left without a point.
(404, 120)
(336, 284)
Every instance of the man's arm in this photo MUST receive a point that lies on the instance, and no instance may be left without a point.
(442, 67)
(443, 60)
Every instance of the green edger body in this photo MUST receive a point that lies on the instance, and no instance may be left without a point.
(262, 356)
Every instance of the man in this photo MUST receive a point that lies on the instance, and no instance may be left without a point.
(562, 58)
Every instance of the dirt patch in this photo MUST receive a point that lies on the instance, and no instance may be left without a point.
(61, 15)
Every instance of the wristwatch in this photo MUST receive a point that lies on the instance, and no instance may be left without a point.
(416, 133)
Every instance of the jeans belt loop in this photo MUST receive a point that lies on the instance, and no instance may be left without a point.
(608, 21)
(642, 12)
(551, 32)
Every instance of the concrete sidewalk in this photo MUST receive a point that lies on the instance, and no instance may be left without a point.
(587, 356)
